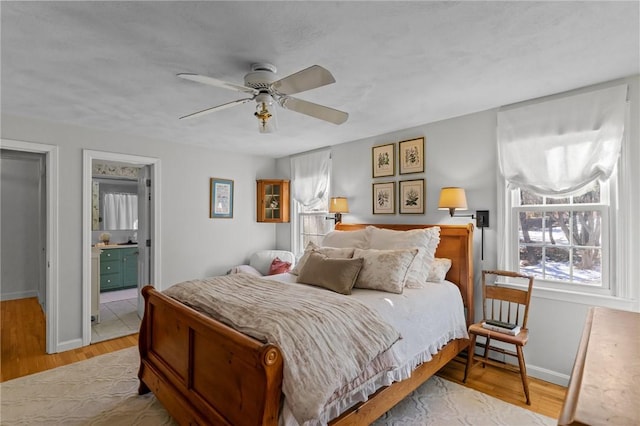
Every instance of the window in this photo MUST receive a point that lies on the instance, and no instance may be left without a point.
(312, 225)
(562, 165)
(310, 178)
(560, 240)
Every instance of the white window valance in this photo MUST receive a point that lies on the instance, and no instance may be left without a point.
(557, 147)
(310, 177)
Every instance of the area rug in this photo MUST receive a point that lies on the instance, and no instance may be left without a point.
(103, 391)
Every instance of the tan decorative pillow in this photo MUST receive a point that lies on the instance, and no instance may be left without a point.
(337, 275)
(384, 270)
(332, 252)
(344, 239)
(425, 240)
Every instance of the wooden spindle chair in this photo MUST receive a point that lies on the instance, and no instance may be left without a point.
(508, 304)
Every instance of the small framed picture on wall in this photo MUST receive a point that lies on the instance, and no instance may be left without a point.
(383, 160)
(384, 198)
(220, 198)
(412, 196)
(411, 156)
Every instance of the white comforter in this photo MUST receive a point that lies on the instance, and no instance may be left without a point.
(326, 339)
(427, 318)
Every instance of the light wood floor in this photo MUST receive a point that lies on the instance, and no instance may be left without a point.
(22, 336)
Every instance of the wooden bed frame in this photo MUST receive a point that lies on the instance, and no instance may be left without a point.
(204, 372)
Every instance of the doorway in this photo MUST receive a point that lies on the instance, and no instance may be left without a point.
(23, 226)
(120, 245)
(44, 255)
(119, 226)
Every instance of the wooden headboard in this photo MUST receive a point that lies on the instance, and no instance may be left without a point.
(456, 243)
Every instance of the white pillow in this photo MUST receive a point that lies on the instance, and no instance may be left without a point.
(245, 269)
(425, 240)
(343, 239)
(439, 269)
(384, 270)
(261, 260)
(330, 252)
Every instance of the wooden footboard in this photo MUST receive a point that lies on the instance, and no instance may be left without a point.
(204, 372)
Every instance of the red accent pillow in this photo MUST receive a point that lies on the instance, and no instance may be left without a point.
(279, 267)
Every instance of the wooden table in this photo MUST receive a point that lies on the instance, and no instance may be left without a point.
(605, 382)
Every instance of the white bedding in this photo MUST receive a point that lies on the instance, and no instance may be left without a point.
(427, 318)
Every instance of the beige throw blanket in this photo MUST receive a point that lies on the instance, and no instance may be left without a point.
(326, 339)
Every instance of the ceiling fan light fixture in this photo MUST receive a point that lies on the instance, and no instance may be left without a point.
(265, 116)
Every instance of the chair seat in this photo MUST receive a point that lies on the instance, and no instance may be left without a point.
(519, 339)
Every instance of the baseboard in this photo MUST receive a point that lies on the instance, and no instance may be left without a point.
(26, 294)
(532, 370)
(68, 345)
(547, 375)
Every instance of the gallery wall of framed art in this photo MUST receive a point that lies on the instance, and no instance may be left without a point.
(411, 193)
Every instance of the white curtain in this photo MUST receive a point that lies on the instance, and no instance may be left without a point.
(120, 211)
(558, 147)
(310, 177)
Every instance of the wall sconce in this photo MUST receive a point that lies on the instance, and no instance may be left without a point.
(338, 205)
(452, 198)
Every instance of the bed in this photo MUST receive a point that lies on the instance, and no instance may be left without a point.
(205, 372)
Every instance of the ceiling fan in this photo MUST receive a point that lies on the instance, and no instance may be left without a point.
(263, 86)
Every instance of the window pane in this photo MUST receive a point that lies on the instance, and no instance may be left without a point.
(591, 194)
(529, 198)
(586, 230)
(564, 200)
(531, 260)
(557, 227)
(557, 264)
(530, 227)
(587, 265)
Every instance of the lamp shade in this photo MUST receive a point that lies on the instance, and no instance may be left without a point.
(338, 205)
(452, 197)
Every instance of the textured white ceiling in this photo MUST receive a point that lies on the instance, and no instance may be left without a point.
(113, 65)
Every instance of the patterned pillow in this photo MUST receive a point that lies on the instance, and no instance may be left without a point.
(279, 267)
(337, 275)
(439, 269)
(425, 240)
(332, 252)
(384, 270)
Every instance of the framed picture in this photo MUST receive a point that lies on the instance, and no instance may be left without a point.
(384, 198)
(221, 198)
(383, 160)
(412, 196)
(411, 156)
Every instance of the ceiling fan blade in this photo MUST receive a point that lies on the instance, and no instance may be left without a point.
(217, 108)
(314, 110)
(307, 79)
(217, 83)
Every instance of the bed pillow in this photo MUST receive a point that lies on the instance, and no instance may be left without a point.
(425, 240)
(337, 275)
(279, 266)
(439, 269)
(384, 270)
(332, 252)
(342, 239)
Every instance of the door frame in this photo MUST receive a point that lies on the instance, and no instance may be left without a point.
(87, 175)
(51, 295)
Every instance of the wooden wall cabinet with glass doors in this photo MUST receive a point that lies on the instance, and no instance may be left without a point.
(273, 200)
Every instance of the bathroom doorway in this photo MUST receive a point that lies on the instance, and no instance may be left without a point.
(120, 221)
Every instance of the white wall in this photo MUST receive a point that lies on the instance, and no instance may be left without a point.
(462, 152)
(193, 245)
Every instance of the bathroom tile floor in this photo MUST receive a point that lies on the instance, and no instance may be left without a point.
(118, 315)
